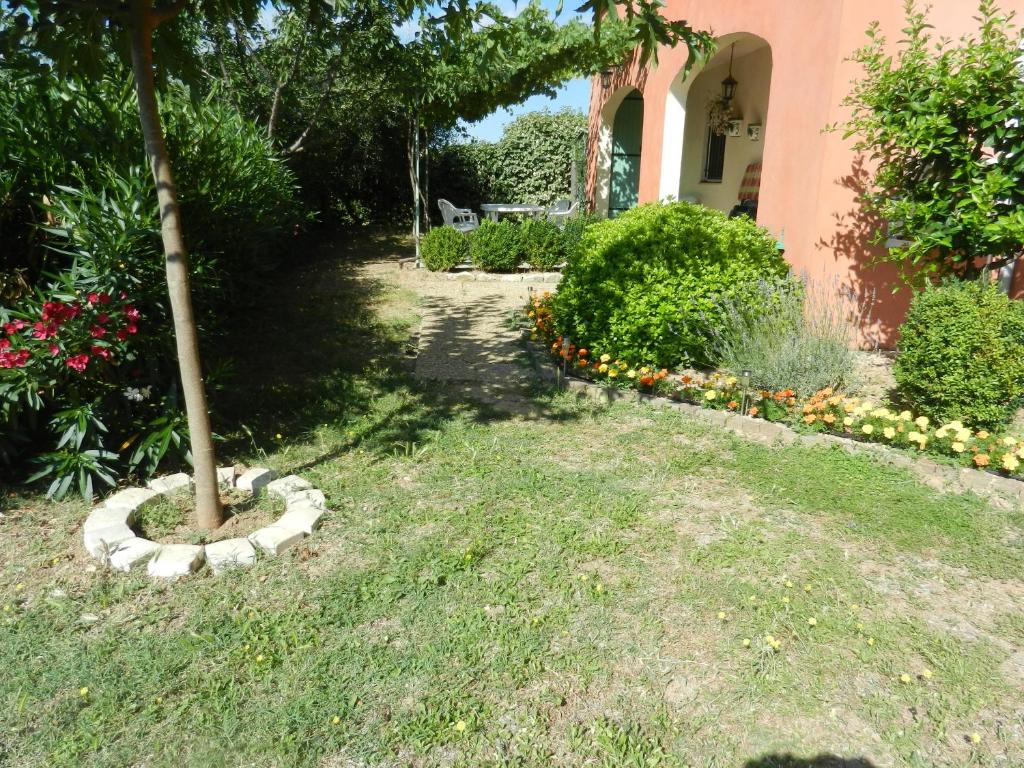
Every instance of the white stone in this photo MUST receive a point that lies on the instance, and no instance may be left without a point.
(255, 480)
(101, 541)
(132, 499)
(286, 485)
(311, 497)
(226, 476)
(230, 553)
(173, 560)
(132, 552)
(170, 483)
(275, 539)
(301, 517)
(104, 517)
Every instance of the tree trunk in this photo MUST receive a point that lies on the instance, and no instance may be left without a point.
(208, 506)
(413, 150)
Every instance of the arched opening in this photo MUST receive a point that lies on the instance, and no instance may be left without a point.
(619, 151)
(712, 150)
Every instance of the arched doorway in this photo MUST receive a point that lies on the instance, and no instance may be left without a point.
(700, 162)
(627, 146)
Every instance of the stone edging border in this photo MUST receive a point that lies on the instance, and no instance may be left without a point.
(109, 537)
(1001, 490)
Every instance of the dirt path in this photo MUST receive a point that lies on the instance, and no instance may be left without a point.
(468, 340)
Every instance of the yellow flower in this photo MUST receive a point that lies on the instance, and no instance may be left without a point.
(159, 699)
(83, 691)
(710, 395)
(789, 585)
(941, 432)
(889, 433)
(606, 358)
(906, 416)
(460, 726)
(983, 435)
(1010, 462)
(812, 621)
(785, 600)
(860, 626)
(746, 642)
(277, 436)
(721, 615)
(867, 429)
(612, 373)
(599, 588)
(807, 587)
(975, 738)
(630, 374)
(848, 421)
(1009, 441)
(958, 447)
(603, 368)
(335, 720)
(904, 678)
(752, 598)
(926, 673)
(922, 422)
(259, 657)
(871, 641)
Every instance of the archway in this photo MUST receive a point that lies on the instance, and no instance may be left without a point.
(700, 164)
(619, 150)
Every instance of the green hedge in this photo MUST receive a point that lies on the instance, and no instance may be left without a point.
(497, 246)
(648, 285)
(962, 354)
(443, 248)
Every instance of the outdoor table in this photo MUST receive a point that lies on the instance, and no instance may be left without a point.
(494, 210)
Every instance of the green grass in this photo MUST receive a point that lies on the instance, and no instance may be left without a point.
(498, 592)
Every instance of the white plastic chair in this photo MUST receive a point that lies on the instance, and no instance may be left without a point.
(461, 219)
(559, 213)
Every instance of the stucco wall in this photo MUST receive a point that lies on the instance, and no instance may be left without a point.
(753, 73)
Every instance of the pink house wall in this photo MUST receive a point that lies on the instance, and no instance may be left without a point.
(810, 178)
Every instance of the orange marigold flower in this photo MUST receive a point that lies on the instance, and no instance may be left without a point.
(583, 352)
(753, 411)
(647, 380)
(810, 418)
(981, 459)
(686, 379)
(732, 405)
(662, 374)
(828, 418)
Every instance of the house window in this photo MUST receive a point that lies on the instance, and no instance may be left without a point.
(714, 157)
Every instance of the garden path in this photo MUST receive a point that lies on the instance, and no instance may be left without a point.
(468, 339)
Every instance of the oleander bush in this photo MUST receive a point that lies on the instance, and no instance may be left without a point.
(497, 246)
(444, 248)
(651, 283)
(961, 354)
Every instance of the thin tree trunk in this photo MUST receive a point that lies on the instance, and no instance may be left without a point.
(426, 182)
(414, 180)
(208, 506)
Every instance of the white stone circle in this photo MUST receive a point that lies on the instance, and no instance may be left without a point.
(109, 537)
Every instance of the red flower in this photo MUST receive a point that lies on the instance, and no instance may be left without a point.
(103, 318)
(5, 343)
(54, 350)
(97, 331)
(93, 298)
(101, 352)
(45, 330)
(14, 326)
(14, 359)
(132, 328)
(78, 362)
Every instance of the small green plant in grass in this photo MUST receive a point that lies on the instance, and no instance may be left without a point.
(497, 246)
(160, 520)
(444, 248)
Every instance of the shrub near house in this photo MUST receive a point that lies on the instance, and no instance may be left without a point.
(649, 283)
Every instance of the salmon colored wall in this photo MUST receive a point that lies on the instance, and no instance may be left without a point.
(810, 179)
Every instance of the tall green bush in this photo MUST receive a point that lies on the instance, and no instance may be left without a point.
(497, 246)
(543, 243)
(961, 354)
(443, 248)
(648, 285)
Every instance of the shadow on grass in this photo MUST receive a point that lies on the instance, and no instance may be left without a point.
(325, 343)
(820, 761)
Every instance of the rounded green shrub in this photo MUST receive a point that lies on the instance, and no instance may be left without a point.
(443, 248)
(496, 246)
(543, 243)
(961, 354)
(648, 286)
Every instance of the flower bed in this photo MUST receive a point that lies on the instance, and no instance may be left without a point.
(826, 411)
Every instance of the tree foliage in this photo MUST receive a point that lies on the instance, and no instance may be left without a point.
(942, 124)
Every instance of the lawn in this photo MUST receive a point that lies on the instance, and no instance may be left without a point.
(605, 586)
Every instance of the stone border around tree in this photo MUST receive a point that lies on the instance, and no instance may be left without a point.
(109, 537)
(1006, 492)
